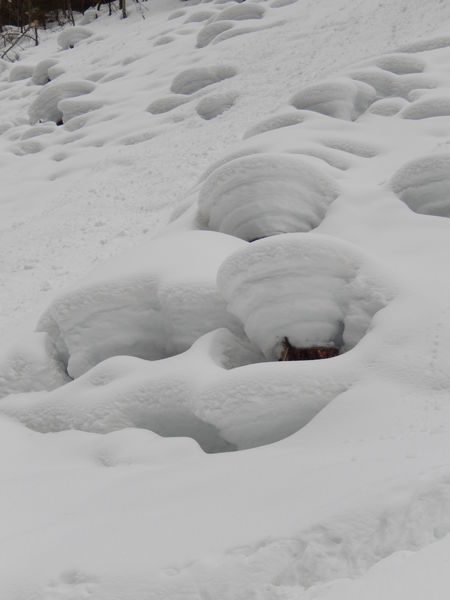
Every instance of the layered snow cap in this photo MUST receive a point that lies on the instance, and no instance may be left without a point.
(265, 194)
(424, 184)
(70, 37)
(46, 105)
(153, 303)
(340, 97)
(313, 289)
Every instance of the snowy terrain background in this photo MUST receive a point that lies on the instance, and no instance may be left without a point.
(152, 446)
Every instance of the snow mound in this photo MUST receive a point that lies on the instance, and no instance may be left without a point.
(214, 105)
(387, 83)
(210, 31)
(277, 122)
(31, 365)
(89, 16)
(388, 107)
(192, 80)
(428, 107)
(4, 66)
(166, 104)
(199, 16)
(241, 12)
(128, 392)
(433, 43)
(312, 289)
(401, 64)
(76, 107)
(19, 72)
(266, 194)
(340, 98)
(41, 74)
(164, 39)
(46, 105)
(38, 130)
(282, 3)
(71, 36)
(201, 394)
(424, 184)
(154, 303)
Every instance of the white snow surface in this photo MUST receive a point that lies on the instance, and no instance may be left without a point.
(152, 445)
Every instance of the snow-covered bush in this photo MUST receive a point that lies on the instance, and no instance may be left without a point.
(314, 290)
(149, 305)
(45, 106)
(266, 194)
(70, 37)
(341, 98)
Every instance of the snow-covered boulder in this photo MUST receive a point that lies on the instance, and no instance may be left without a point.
(71, 36)
(154, 302)
(312, 289)
(340, 97)
(45, 106)
(19, 72)
(424, 184)
(266, 194)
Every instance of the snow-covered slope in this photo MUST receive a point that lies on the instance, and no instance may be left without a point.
(184, 460)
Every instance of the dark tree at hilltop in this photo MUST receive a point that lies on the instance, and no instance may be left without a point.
(21, 13)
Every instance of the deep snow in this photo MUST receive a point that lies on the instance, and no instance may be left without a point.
(324, 125)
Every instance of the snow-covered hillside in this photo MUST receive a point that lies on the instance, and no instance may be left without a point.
(186, 196)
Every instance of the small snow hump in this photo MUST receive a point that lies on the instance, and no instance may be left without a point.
(193, 80)
(267, 194)
(71, 36)
(166, 104)
(241, 12)
(211, 31)
(277, 122)
(314, 290)
(171, 300)
(423, 184)
(428, 107)
(19, 72)
(46, 105)
(41, 74)
(214, 105)
(340, 98)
